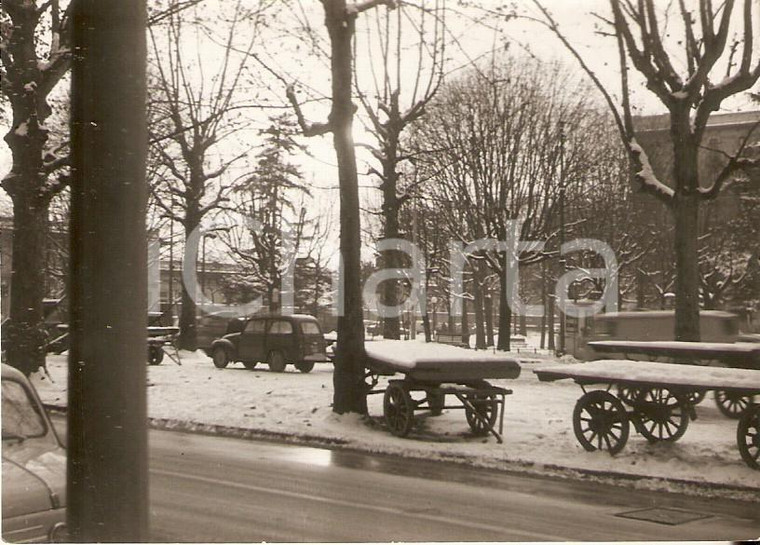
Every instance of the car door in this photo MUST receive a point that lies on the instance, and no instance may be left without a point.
(280, 337)
(252, 341)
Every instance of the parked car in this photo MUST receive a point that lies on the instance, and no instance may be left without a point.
(277, 340)
(34, 466)
(211, 326)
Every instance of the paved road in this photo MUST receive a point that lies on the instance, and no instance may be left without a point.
(207, 489)
(212, 489)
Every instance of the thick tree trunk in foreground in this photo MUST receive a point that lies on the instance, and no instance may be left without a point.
(348, 377)
(107, 463)
(25, 334)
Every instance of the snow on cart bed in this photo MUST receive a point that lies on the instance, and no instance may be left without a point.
(740, 354)
(656, 374)
(438, 362)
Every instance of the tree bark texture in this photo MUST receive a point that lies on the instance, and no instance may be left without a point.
(685, 209)
(107, 462)
(27, 85)
(505, 316)
(348, 377)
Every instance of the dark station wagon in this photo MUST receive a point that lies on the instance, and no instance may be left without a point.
(276, 340)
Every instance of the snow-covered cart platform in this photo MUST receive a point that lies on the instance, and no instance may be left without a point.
(655, 398)
(433, 371)
(743, 355)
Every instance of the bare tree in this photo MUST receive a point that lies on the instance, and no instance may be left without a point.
(193, 116)
(714, 67)
(348, 379)
(412, 40)
(36, 54)
(491, 154)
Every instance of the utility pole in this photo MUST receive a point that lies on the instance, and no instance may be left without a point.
(107, 468)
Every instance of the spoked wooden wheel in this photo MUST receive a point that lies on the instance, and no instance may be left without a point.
(487, 408)
(398, 408)
(697, 396)
(662, 416)
(600, 422)
(627, 394)
(731, 404)
(748, 437)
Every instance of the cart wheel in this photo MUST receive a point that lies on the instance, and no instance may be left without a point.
(305, 367)
(662, 415)
(748, 437)
(626, 394)
(697, 396)
(219, 355)
(250, 365)
(276, 361)
(398, 409)
(155, 355)
(436, 403)
(731, 404)
(600, 422)
(487, 407)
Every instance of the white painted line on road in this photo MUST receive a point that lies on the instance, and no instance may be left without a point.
(531, 536)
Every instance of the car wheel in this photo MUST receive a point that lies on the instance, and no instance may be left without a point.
(155, 355)
(305, 367)
(220, 358)
(276, 361)
(250, 365)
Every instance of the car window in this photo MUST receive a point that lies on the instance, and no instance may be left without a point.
(310, 328)
(21, 417)
(281, 327)
(256, 326)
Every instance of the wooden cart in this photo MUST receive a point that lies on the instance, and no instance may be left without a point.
(159, 338)
(742, 355)
(657, 402)
(431, 373)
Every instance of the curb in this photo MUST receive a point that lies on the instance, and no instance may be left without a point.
(516, 467)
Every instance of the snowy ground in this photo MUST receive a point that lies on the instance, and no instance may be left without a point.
(538, 425)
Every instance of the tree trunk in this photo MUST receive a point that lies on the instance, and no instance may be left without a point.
(188, 334)
(505, 316)
(348, 376)
(550, 326)
(107, 445)
(480, 334)
(640, 291)
(686, 212)
(465, 323)
(488, 309)
(390, 208)
(25, 334)
(544, 304)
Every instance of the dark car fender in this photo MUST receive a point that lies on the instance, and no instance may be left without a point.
(229, 347)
